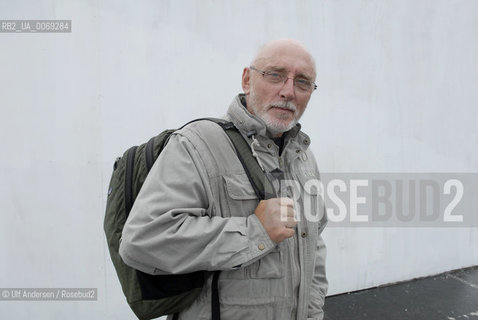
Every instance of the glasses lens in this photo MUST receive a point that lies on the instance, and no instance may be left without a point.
(274, 77)
(303, 84)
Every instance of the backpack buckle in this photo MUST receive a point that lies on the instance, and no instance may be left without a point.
(227, 125)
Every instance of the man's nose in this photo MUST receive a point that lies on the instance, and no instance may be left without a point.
(287, 91)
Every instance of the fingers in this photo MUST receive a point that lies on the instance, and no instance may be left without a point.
(286, 202)
(289, 233)
(278, 217)
(287, 214)
(290, 224)
(288, 218)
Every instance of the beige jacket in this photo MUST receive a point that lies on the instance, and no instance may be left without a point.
(195, 212)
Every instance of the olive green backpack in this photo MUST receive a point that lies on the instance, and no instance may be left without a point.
(151, 296)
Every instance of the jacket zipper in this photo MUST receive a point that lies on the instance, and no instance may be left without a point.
(296, 263)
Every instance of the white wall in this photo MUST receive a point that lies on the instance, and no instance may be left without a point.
(398, 92)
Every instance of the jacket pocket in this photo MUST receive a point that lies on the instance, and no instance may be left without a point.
(239, 188)
(268, 267)
(241, 198)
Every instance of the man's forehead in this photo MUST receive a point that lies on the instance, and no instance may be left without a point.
(286, 54)
(303, 67)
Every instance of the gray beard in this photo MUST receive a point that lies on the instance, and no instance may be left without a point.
(274, 126)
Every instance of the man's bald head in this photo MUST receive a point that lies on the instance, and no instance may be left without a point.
(284, 47)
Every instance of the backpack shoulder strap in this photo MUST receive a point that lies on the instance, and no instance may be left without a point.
(254, 172)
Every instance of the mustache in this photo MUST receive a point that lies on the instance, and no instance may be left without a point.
(285, 105)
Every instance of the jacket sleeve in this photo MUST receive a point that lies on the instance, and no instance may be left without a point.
(319, 284)
(171, 229)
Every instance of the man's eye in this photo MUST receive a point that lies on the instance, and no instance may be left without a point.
(274, 76)
(303, 82)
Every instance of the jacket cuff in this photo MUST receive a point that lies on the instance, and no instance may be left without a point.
(259, 241)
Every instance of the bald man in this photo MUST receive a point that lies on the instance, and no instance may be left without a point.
(198, 211)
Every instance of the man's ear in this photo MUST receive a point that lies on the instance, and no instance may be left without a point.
(246, 80)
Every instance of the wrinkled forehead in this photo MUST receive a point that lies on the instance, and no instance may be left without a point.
(289, 57)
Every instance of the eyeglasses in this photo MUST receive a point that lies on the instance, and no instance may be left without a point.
(274, 77)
